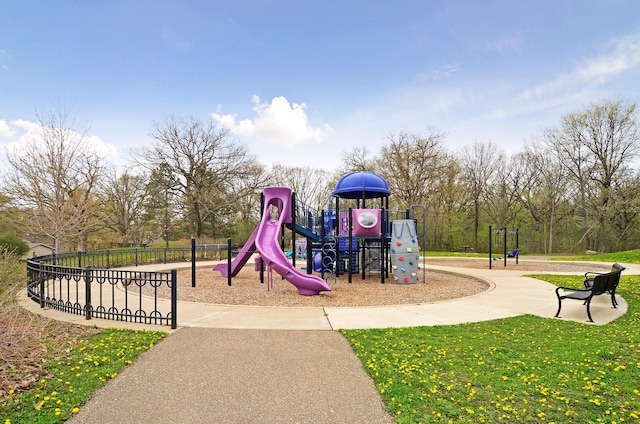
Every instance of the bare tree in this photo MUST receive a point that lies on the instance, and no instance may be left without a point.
(447, 206)
(543, 190)
(358, 159)
(410, 163)
(54, 177)
(204, 161)
(161, 208)
(311, 185)
(124, 199)
(245, 212)
(624, 211)
(596, 145)
(479, 164)
(501, 198)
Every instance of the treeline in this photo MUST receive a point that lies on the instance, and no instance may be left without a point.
(572, 187)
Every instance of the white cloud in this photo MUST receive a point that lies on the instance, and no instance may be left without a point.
(22, 133)
(19, 132)
(25, 126)
(623, 54)
(103, 149)
(278, 122)
(5, 129)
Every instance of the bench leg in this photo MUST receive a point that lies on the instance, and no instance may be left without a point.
(614, 302)
(589, 310)
(559, 307)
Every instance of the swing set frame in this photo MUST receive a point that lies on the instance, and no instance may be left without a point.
(512, 254)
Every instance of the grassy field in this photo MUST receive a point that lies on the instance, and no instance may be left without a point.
(525, 369)
(72, 375)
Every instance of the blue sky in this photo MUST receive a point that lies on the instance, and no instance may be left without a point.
(301, 82)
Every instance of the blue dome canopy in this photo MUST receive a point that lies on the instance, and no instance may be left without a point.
(361, 185)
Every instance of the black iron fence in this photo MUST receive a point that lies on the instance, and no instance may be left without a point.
(85, 283)
(118, 295)
(120, 257)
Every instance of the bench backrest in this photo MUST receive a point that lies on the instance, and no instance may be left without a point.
(617, 267)
(601, 283)
(616, 271)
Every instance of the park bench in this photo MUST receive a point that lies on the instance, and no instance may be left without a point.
(599, 284)
(613, 282)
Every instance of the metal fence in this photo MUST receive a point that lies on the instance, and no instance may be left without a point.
(119, 257)
(119, 295)
(85, 283)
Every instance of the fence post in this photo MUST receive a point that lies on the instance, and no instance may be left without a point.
(41, 278)
(193, 261)
(174, 299)
(87, 295)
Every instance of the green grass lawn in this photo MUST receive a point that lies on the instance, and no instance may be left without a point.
(75, 374)
(524, 369)
(629, 256)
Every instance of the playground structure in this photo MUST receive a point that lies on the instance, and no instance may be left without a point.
(299, 247)
(503, 238)
(405, 253)
(276, 212)
(353, 241)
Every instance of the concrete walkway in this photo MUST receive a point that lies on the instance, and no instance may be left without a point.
(205, 375)
(250, 364)
(510, 294)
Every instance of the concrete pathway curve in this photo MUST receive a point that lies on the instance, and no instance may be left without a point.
(510, 294)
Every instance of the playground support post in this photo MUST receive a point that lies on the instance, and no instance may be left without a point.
(293, 229)
(383, 247)
(517, 245)
(349, 248)
(504, 245)
(229, 261)
(505, 252)
(490, 244)
(323, 239)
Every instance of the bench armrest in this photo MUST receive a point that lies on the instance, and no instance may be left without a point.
(572, 289)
